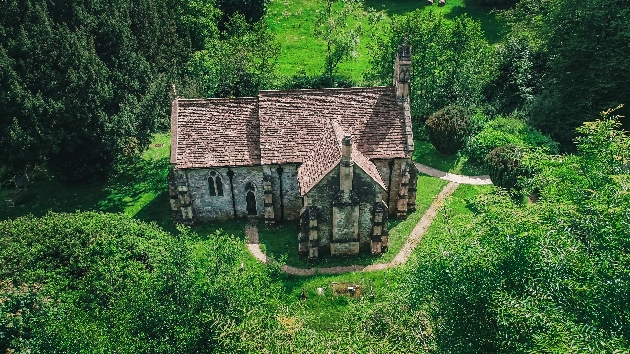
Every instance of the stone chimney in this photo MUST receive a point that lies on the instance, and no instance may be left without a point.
(402, 74)
(346, 172)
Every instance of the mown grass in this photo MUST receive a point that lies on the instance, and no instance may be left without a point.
(426, 154)
(322, 312)
(280, 242)
(301, 53)
(457, 207)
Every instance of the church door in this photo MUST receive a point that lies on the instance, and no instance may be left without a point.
(251, 203)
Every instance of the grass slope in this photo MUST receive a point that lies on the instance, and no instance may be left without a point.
(292, 21)
(426, 154)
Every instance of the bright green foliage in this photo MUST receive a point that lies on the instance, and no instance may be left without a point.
(547, 277)
(504, 166)
(332, 25)
(448, 128)
(83, 83)
(118, 285)
(238, 64)
(506, 131)
(451, 60)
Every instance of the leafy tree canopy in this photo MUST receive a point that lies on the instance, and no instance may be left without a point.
(83, 83)
(93, 282)
(451, 60)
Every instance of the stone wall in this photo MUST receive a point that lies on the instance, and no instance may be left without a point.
(291, 198)
(391, 197)
(206, 206)
(326, 191)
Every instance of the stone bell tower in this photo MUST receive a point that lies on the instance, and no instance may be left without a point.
(402, 73)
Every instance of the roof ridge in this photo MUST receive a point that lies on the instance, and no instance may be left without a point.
(323, 90)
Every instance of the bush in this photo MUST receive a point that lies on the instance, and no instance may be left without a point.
(448, 128)
(115, 284)
(504, 166)
(506, 131)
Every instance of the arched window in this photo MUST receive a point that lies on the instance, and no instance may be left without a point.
(219, 186)
(213, 191)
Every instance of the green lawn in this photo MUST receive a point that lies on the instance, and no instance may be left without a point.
(292, 21)
(426, 154)
(322, 312)
(280, 241)
(457, 209)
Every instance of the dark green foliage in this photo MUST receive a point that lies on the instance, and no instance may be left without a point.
(448, 128)
(83, 83)
(500, 4)
(252, 10)
(451, 60)
(504, 166)
(119, 285)
(588, 71)
(506, 131)
(521, 71)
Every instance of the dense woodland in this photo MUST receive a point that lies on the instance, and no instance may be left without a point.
(540, 263)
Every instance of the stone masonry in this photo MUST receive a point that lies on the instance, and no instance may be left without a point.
(337, 160)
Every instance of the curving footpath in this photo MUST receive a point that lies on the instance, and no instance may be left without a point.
(451, 177)
(251, 230)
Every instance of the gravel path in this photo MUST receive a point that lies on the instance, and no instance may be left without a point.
(251, 230)
(451, 177)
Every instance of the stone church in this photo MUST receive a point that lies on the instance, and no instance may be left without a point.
(337, 160)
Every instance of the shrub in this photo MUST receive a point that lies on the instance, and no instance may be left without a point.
(506, 131)
(504, 166)
(448, 128)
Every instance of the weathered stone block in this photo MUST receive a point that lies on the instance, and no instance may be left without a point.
(345, 222)
(344, 248)
(313, 253)
(376, 248)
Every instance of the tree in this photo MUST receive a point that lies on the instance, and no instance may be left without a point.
(252, 10)
(338, 24)
(238, 64)
(587, 71)
(96, 282)
(547, 277)
(448, 129)
(451, 60)
(84, 83)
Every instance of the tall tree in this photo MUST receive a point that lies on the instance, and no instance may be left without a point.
(338, 24)
(86, 82)
(239, 63)
(587, 71)
(452, 61)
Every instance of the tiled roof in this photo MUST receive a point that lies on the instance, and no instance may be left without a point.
(216, 132)
(324, 156)
(303, 126)
(367, 166)
(292, 121)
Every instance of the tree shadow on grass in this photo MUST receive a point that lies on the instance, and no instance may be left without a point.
(491, 26)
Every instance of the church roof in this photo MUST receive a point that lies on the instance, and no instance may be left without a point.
(301, 126)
